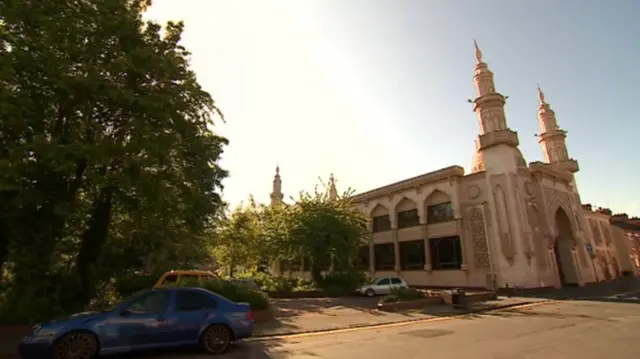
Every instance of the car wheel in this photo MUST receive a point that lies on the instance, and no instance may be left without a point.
(78, 345)
(370, 293)
(216, 339)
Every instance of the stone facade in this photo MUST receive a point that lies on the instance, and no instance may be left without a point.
(507, 223)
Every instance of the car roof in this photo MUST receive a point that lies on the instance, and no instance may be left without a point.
(191, 271)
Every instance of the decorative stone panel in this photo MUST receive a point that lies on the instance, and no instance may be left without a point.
(479, 238)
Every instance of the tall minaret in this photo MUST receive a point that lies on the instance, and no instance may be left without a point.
(552, 138)
(495, 139)
(276, 195)
(333, 191)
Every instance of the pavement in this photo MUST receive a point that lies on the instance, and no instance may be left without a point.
(554, 330)
(326, 314)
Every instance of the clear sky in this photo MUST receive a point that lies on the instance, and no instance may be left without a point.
(376, 91)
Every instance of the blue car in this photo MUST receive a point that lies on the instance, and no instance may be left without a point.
(150, 319)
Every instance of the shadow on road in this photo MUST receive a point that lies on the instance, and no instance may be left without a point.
(244, 350)
(294, 307)
(594, 292)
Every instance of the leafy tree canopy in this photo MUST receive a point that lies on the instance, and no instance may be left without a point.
(107, 158)
(317, 226)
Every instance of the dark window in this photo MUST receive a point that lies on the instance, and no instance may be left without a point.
(384, 256)
(412, 255)
(381, 223)
(170, 279)
(440, 213)
(296, 265)
(384, 281)
(323, 262)
(446, 253)
(408, 218)
(191, 301)
(396, 281)
(338, 266)
(362, 261)
(285, 265)
(151, 303)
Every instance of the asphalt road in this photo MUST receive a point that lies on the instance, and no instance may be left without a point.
(577, 329)
(561, 330)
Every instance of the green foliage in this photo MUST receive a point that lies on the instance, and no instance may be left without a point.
(129, 283)
(317, 226)
(232, 291)
(403, 294)
(322, 225)
(343, 282)
(275, 284)
(237, 240)
(108, 163)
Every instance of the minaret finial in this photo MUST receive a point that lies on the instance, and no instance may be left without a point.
(277, 170)
(478, 52)
(541, 96)
(333, 192)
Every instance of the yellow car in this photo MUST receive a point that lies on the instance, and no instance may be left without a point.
(173, 277)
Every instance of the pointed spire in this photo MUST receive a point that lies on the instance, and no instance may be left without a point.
(546, 116)
(478, 52)
(276, 195)
(483, 77)
(333, 192)
(541, 96)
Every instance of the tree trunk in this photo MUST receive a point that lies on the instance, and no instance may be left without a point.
(93, 240)
(316, 273)
(6, 228)
(4, 246)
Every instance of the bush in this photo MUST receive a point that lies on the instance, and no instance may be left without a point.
(107, 298)
(343, 282)
(232, 291)
(130, 283)
(403, 294)
(274, 284)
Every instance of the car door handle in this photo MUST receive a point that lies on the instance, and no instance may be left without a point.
(161, 319)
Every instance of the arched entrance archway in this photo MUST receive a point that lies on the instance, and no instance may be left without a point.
(563, 250)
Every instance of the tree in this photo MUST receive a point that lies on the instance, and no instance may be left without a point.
(322, 226)
(237, 240)
(105, 145)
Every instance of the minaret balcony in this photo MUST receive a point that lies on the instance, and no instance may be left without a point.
(569, 165)
(552, 135)
(493, 99)
(503, 137)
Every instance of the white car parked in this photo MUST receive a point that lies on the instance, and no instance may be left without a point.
(382, 286)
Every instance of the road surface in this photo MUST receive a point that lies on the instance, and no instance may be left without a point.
(577, 329)
(561, 330)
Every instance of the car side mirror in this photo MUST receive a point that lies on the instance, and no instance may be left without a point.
(126, 313)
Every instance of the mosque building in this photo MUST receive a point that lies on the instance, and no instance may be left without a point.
(507, 223)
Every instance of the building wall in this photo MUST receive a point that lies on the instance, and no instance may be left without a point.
(420, 198)
(507, 228)
(633, 243)
(606, 259)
